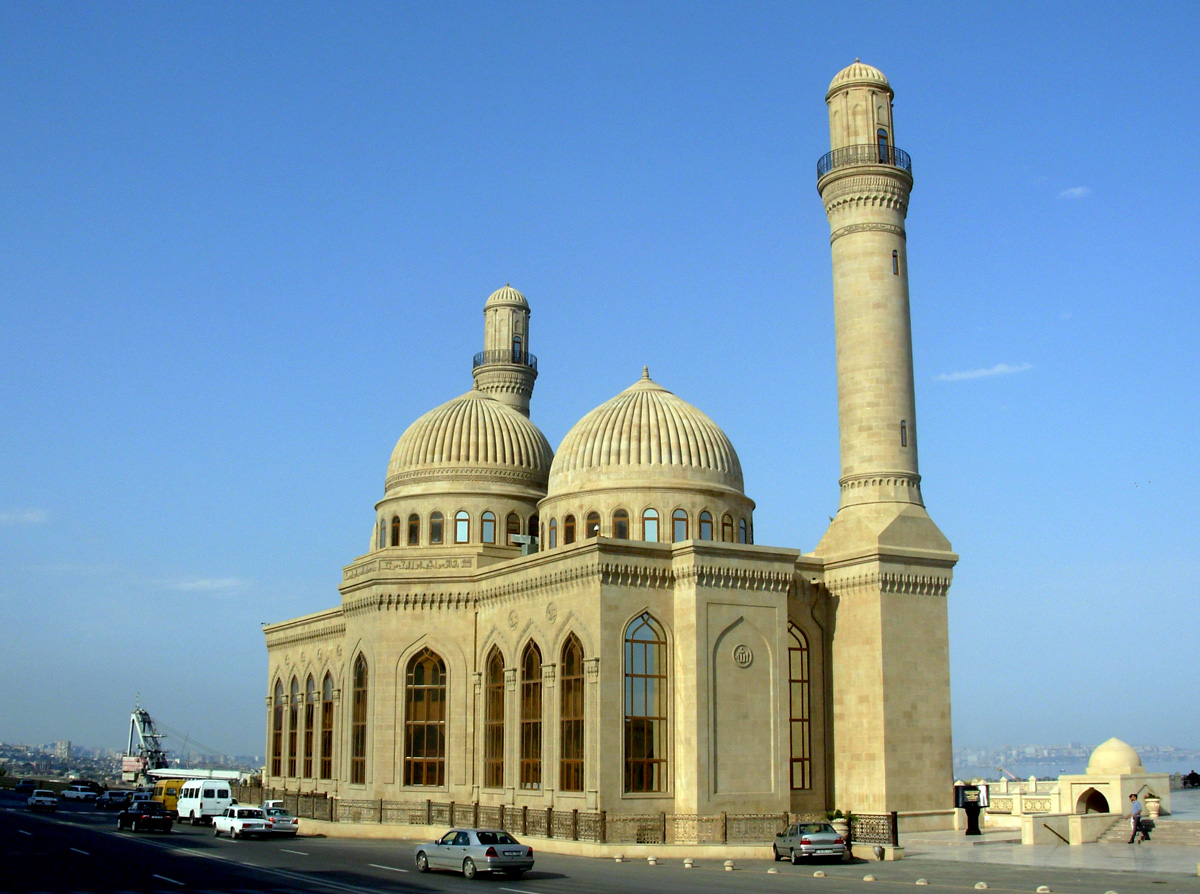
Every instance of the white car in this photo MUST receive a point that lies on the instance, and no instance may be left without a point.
(78, 793)
(241, 822)
(42, 799)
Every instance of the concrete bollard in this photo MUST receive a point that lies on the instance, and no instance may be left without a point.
(1043, 889)
(868, 878)
(774, 870)
(981, 886)
(653, 861)
(820, 873)
(688, 863)
(922, 881)
(729, 866)
(619, 858)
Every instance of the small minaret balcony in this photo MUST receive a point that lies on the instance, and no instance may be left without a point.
(864, 154)
(515, 356)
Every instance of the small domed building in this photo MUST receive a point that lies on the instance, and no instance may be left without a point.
(590, 644)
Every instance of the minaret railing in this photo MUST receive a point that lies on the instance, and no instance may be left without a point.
(518, 358)
(864, 154)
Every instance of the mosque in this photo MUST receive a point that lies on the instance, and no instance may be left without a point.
(596, 628)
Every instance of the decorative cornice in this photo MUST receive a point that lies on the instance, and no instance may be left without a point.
(423, 601)
(895, 479)
(866, 191)
(720, 576)
(467, 473)
(868, 227)
(306, 634)
(889, 582)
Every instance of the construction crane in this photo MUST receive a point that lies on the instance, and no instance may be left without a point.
(144, 751)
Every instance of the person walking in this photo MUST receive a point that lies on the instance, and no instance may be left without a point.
(1135, 820)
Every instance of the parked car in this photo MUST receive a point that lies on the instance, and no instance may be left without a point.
(241, 822)
(800, 841)
(471, 851)
(42, 799)
(89, 784)
(26, 787)
(78, 793)
(280, 822)
(113, 800)
(142, 816)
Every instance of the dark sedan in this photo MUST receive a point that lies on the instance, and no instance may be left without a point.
(145, 816)
(113, 800)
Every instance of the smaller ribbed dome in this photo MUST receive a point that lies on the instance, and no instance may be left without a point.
(858, 74)
(506, 296)
(1114, 757)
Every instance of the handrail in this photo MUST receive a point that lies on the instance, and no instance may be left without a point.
(1046, 826)
(864, 154)
(517, 358)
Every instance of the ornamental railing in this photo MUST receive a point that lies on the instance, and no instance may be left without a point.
(864, 154)
(519, 358)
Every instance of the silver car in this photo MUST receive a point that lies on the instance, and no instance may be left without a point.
(471, 851)
(801, 841)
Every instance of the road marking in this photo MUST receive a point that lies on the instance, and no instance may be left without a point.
(301, 853)
(165, 879)
(78, 851)
(518, 891)
(388, 868)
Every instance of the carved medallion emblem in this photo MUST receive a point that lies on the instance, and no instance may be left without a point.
(742, 656)
(512, 619)
(551, 612)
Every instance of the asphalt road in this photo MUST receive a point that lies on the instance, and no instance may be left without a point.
(79, 850)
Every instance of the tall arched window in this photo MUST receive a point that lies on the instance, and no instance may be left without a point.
(727, 528)
(462, 526)
(531, 717)
(679, 526)
(645, 706)
(493, 722)
(382, 534)
(621, 524)
(277, 731)
(395, 530)
(553, 533)
(650, 525)
(425, 720)
(310, 707)
(327, 728)
(293, 723)
(533, 526)
(358, 723)
(743, 531)
(516, 349)
(884, 155)
(592, 526)
(488, 527)
(435, 528)
(705, 525)
(569, 529)
(570, 713)
(799, 698)
(512, 528)
(414, 530)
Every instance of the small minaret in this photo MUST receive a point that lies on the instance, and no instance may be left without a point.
(504, 368)
(888, 567)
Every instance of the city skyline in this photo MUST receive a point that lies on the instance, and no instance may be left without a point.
(219, 224)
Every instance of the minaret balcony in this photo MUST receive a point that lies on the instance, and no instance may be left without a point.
(514, 357)
(864, 154)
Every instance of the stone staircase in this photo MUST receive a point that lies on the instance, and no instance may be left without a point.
(1165, 831)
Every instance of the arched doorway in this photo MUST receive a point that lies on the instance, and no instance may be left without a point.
(1091, 801)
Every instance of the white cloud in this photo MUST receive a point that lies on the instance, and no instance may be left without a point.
(1076, 192)
(1000, 369)
(12, 517)
(209, 584)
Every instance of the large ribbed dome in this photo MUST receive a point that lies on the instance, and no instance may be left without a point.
(507, 295)
(645, 435)
(858, 73)
(471, 435)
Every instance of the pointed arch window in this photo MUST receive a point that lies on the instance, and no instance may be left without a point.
(293, 723)
(531, 717)
(800, 704)
(884, 155)
(382, 541)
(569, 529)
(488, 527)
(414, 530)
(425, 720)
(512, 528)
(570, 765)
(592, 527)
(395, 530)
(650, 525)
(462, 526)
(706, 525)
(645, 705)
(277, 730)
(679, 526)
(553, 533)
(727, 528)
(310, 707)
(358, 723)
(743, 531)
(493, 722)
(621, 524)
(327, 728)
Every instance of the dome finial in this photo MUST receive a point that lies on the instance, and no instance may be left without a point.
(645, 372)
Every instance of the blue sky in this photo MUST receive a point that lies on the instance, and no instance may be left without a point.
(243, 246)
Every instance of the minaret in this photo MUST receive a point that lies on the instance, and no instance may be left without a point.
(888, 567)
(504, 368)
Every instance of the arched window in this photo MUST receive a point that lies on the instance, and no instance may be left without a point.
(435, 528)
(512, 528)
(293, 723)
(742, 531)
(727, 528)
(531, 717)
(705, 525)
(327, 728)
(884, 155)
(570, 713)
(382, 534)
(801, 709)
(493, 722)
(358, 723)
(592, 527)
(395, 530)
(310, 707)
(903, 433)
(425, 720)
(533, 526)
(621, 524)
(569, 529)
(645, 706)
(553, 533)
(414, 530)
(895, 263)
(650, 525)
(277, 730)
(462, 526)
(679, 526)
(488, 527)
(516, 349)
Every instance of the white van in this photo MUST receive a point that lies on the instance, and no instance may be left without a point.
(202, 799)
